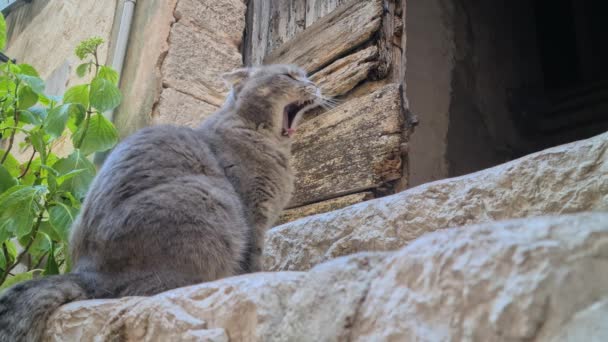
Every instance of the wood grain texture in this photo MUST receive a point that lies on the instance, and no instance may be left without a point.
(323, 207)
(352, 148)
(271, 23)
(332, 37)
(344, 74)
(317, 9)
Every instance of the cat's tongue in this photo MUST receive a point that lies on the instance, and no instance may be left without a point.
(289, 131)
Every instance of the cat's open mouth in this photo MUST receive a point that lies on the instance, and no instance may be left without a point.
(290, 112)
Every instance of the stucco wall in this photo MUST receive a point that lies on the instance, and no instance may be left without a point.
(44, 33)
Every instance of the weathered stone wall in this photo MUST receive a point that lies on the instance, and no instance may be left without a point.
(541, 277)
(179, 49)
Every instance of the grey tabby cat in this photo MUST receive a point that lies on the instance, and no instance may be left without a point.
(175, 206)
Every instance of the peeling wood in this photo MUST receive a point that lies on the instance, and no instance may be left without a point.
(323, 207)
(330, 38)
(344, 74)
(352, 148)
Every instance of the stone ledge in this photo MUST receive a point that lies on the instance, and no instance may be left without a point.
(564, 179)
(519, 280)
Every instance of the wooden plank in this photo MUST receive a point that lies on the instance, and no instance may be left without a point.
(317, 9)
(344, 74)
(270, 24)
(323, 207)
(332, 37)
(352, 148)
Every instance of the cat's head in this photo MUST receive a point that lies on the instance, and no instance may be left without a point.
(274, 96)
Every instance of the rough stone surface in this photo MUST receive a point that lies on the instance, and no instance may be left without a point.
(141, 80)
(181, 109)
(323, 207)
(565, 179)
(540, 279)
(512, 281)
(195, 62)
(225, 18)
(245, 308)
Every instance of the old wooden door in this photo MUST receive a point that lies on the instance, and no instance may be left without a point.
(353, 50)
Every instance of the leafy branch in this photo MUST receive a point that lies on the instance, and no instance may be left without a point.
(40, 198)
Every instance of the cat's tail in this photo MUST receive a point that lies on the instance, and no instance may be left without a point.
(25, 307)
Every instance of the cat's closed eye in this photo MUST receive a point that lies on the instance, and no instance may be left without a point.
(291, 76)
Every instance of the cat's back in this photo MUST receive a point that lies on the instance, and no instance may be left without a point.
(150, 157)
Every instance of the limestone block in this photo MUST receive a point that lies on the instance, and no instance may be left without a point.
(195, 62)
(323, 207)
(539, 279)
(181, 109)
(564, 179)
(241, 308)
(520, 280)
(224, 18)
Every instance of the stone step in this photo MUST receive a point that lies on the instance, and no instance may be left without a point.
(535, 279)
(565, 179)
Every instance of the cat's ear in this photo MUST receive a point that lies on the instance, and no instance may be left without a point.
(237, 76)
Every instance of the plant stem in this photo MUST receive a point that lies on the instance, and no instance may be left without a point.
(26, 249)
(12, 137)
(29, 162)
(96, 62)
(86, 128)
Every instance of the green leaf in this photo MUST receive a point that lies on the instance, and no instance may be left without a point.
(104, 94)
(2, 259)
(51, 264)
(56, 120)
(79, 184)
(28, 117)
(34, 82)
(36, 138)
(109, 74)
(61, 217)
(32, 116)
(27, 97)
(83, 69)
(49, 100)
(17, 278)
(77, 94)
(11, 164)
(2, 32)
(41, 245)
(101, 135)
(69, 175)
(27, 69)
(88, 47)
(7, 181)
(47, 228)
(7, 86)
(10, 68)
(18, 207)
